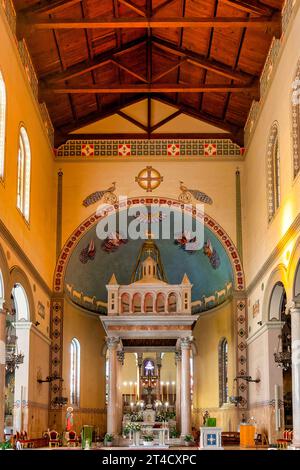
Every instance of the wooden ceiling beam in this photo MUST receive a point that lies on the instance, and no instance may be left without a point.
(44, 7)
(129, 71)
(202, 61)
(96, 116)
(132, 120)
(62, 138)
(132, 6)
(169, 70)
(249, 6)
(154, 88)
(96, 62)
(202, 116)
(161, 6)
(165, 120)
(268, 24)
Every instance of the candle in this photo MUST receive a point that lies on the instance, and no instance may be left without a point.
(162, 391)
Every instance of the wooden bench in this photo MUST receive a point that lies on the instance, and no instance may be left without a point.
(230, 438)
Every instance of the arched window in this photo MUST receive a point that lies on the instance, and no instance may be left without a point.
(2, 123)
(20, 302)
(273, 172)
(297, 281)
(296, 121)
(23, 184)
(223, 371)
(160, 303)
(148, 303)
(136, 303)
(125, 303)
(75, 372)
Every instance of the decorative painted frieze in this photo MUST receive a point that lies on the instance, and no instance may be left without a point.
(88, 149)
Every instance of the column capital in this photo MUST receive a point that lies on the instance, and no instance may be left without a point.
(121, 357)
(185, 343)
(295, 304)
(112, 342)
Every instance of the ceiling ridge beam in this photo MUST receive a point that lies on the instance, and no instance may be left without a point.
(201, 61)
(98, 61)
(272, 25)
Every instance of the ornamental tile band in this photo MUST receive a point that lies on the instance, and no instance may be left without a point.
(140, 148)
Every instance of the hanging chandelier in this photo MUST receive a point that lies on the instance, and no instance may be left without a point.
(283, 359)
(13, 360)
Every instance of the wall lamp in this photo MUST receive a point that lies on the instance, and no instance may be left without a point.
(247, 378)
(49, 379)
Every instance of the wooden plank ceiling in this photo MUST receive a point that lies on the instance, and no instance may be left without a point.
(93, 58)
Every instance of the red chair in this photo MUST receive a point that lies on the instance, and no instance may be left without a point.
(72, 439)
(54, 439)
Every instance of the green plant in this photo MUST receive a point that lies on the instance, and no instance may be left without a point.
(133, 427)
(5, 445)
(174, 433)
(188, 438)
(148, 438)
(108, 437)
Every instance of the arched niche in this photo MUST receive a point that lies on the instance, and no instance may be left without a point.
(137, 303)
(160, 303)
(19, 277)
(277, 276)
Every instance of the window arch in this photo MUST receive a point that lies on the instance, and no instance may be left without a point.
(20, 303)
(75, 372)
(296, 121)
(277, 302)
(1, 286)
(273, 172)
(2, 123)
(223, 371)
(23, 183)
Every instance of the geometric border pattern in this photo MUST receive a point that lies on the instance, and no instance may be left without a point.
(296, 121)
(209, 222)
(241, 329)
(56, 349)
(156, 147)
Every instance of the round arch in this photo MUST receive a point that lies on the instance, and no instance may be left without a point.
(294, 270)
(277, 276)
(93, 219)
(4, 270)
(18, 276)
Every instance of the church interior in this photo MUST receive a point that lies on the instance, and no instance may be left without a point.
(150, 224)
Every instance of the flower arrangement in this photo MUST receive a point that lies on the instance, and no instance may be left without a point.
(134, 427)
(108, 437)
(165, 416)
(188, 438)
(136, 417)
(148, 438)
(5, 445)
(174, 433)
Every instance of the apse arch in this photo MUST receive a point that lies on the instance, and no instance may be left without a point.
(91, 221)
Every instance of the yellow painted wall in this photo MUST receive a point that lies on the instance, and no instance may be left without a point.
(37, 239)
(210, 329)
(90, 334)
(82, 178)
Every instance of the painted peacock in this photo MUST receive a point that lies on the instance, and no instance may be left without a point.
(198, 195)
(97, 195)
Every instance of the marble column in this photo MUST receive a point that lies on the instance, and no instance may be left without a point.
(120, 363)
(178, 386)
(112, 414)
(185, 398)
(295, 324)
(2, 367)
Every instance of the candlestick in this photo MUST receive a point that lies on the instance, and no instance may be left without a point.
(167, 384)
(162, 391)
(173, 394)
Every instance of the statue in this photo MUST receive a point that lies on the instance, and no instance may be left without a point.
(69, 419)
(205, 416)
